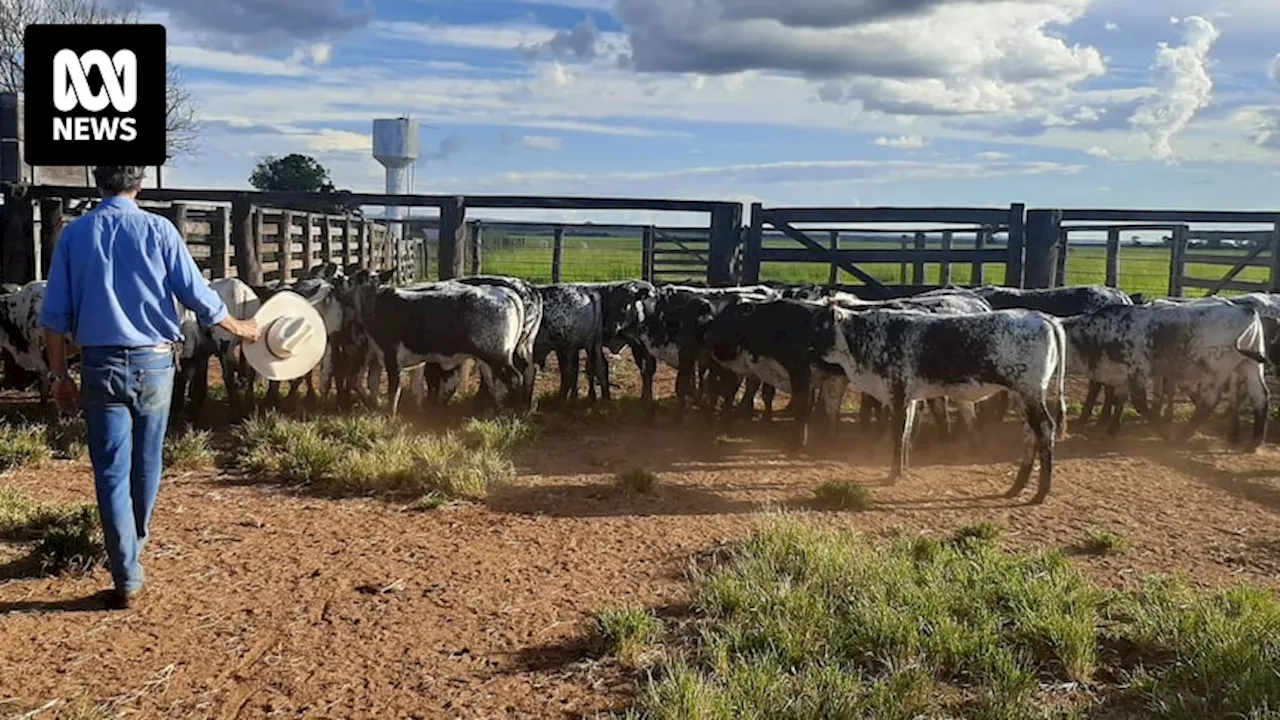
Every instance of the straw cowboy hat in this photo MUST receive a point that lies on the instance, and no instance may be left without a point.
(292, 337)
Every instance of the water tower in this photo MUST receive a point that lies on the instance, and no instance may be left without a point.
(395, 145)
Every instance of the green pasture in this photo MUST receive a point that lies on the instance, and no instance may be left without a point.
(585, 259)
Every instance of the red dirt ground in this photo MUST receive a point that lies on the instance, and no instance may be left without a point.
(267, 603)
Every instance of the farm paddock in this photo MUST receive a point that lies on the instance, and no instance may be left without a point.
(265, 601)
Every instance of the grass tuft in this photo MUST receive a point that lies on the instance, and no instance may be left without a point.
(799, 622)
(980, 532)
(21, 446)
(843, 494)
(1105, 542)
(68, 438)
(188, 451)
(63, 537)
(628, 633)
(637, 481)
(502, 434)
(371, 454)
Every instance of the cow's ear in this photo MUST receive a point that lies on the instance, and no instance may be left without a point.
(386, 275)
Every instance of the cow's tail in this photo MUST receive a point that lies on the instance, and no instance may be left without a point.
(1060, 339)
(1253, 335)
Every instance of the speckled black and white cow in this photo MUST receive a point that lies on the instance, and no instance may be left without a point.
(1062, 302)
(532, 312)
(21, 336)
(772, 340)
(1205, 346)
(671, 332)
(443, 323)
(901, 357)
(191, 382)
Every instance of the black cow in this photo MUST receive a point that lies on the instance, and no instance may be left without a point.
(572, 321)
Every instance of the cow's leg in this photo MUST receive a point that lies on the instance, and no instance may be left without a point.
(1040, 431)
(272, 400)
(1205, 403)
(1255, 386)
(767, 394)
(597, 372)
(392, 364)
(1090, 398)
(418, 386)
(903, 412)
(602, 376)
(800, 406)
(573, 363)
(938, 408)
(747, 407)
(867, 410)
(568, 378)
(833, 392)
(648, 365)
(1109, 393)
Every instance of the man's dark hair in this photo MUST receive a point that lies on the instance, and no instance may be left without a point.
(116, 179)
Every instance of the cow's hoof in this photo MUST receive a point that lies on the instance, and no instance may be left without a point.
(1038, 498)
(1013, 492)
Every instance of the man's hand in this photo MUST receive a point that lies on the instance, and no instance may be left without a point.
(65, 395)
(246, 330)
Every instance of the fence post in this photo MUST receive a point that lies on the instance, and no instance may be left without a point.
(284, 246)
(51, 210)
(1013, 264)
(1275, 257)
(835, 245)
(646, 254)
(326, 240)
(722, 241)
(348, 239)
(977, 276)
(308, 242)
(1113, 257)
(557, 253)
(917, 267)
(260, 243)
(477, 248)
(1060, 258)
(1178, 260)
(1041, 235)
(944, 269)
(362, 244)
(903, 245)
(755, 242)
(248, 263)
(453, 228)
(220, 245)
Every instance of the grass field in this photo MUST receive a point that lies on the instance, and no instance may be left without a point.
(1142, 269)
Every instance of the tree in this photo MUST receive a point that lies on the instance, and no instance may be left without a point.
(181, 123)
(294, 171)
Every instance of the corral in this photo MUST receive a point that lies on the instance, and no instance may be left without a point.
(338, 567)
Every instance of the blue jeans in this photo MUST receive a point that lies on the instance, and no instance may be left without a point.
(126, 394)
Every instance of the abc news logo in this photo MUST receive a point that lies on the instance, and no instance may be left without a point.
(94, 95)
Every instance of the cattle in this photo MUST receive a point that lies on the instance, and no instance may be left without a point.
(674, 319)
(572, 322)
(532, 313)
(443, 323)
(1203, 345)
(623, 303)
(1062, 302)
(771, 340)
(902, 356)
(200, 344)
(21, 335)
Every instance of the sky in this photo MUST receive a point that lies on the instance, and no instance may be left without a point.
(1052, 103)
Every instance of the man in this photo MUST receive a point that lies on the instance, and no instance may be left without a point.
(112, 281)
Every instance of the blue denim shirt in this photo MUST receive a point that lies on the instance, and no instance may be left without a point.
(113, 277)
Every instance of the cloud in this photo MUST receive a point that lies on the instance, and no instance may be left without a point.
(1111, 27)
(1273, 70)
(579, 43)
(903, 142)
(229, 62)
(449, 146)
(259, 24)
(1184, 83)
(316, 54)
(992, 155)
(541, 142)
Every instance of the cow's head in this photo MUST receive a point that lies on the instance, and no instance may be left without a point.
(823, 330)
(625, 307)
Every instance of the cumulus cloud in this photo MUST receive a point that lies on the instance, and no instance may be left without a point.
(1111, 27)
(315, 54)
(541, 142)
(579, 43)
(902, 142)
(258, 24)
(1184, 84)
